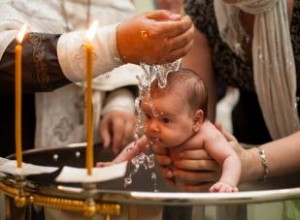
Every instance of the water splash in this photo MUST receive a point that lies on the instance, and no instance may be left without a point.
(144, 84)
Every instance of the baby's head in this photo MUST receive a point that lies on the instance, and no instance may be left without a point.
(189, 83)
(175, 112)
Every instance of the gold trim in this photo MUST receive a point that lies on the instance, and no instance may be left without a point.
(7, 190)
(76, 205)
(106, 209)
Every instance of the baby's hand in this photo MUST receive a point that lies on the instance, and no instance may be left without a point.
(223, 187)
(104, 164)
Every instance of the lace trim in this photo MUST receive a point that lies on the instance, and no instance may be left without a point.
(38, 55)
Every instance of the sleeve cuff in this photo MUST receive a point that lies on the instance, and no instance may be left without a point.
(70, 50)
(119, 100)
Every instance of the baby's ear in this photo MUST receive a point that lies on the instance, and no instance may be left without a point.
(198, 120)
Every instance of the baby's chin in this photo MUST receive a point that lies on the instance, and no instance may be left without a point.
(161, 143)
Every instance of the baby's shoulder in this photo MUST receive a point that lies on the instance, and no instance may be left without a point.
(209, 130)
(208, 125)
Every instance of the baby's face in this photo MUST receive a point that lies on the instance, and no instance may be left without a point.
(168, 119)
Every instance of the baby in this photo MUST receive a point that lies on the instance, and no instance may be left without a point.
(174, 114)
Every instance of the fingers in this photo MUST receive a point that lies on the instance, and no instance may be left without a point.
(227, 135)
(163, 160)
(117, 130)
(149, 38)
(198, 165)
(178, 53)
(180, 41)
(187, 187)
(203, 187)
(161, 156)
(105, 133)
(128, 130)
(194, 154)
(175, 28)
(117, 135)
(161, 15)
(197, 177)
(159, 150)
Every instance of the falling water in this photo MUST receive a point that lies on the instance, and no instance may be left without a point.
(144, 82)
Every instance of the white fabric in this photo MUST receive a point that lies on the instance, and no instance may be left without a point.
(99, 174)
(120, 100)
(70, 50)
(224, 108)
(273, 61)
(60, 114)
(114, 79)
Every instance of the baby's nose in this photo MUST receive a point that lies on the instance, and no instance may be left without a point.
(152, 126)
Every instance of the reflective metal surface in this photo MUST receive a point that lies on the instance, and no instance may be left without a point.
(43, 190)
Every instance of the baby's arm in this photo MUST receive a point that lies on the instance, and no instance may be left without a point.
(129, 152)
(220, 150)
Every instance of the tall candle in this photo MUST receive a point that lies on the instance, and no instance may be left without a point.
(88, 96)
(18, 96)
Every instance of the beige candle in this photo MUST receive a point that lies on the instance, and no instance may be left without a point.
(18, 96)
(88, 97)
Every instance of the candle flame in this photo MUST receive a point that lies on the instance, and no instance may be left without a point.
(22, 33)
(90, 34)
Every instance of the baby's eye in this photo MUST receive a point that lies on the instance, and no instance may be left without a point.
(165, 120)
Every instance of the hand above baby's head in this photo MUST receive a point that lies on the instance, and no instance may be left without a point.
(155, 37)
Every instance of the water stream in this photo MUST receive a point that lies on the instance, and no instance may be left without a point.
(144, 83)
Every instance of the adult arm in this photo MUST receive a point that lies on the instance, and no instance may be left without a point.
(281, 156)
(40, 67)
(154, 37)
(199, 59)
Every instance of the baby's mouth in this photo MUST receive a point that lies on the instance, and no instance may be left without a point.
(154, 140)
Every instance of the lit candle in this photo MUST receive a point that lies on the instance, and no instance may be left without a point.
(88, 96)
(18, 96)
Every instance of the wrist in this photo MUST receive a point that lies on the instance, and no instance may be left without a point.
(252, 168)
(264, 163)
(70, 50)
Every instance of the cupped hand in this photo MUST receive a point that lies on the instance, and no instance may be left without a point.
(195, 170)
(155, 37)
(192, 166)
(116, 129)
